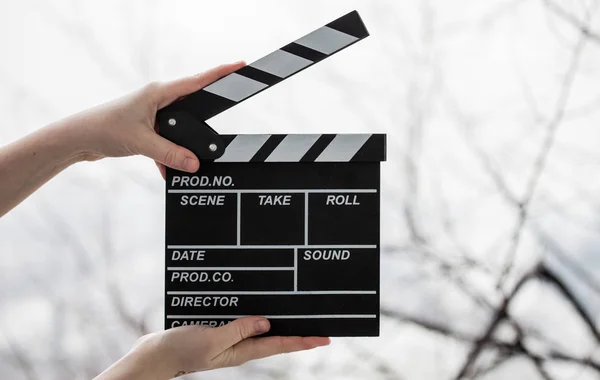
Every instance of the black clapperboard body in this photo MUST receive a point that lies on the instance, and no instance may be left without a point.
(285, 226)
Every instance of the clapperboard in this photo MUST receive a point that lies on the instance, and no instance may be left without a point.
(285, 225)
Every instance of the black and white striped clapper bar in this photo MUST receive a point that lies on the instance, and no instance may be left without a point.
(285, 225)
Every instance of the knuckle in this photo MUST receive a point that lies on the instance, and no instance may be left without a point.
(243, 331)
(281, 347)
(151, 91)
(143, 340)
(170, 157)
(151, 88)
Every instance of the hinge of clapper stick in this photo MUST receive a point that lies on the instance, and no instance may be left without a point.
(184, 121)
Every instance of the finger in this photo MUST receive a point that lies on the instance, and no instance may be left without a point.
(258, 348)
(236, 331)
(171, 91)
(168, 153)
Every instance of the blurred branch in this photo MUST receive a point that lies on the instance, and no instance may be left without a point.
(545, 274)
(422, 90)
(582, 25)
(537, 361)
(451, 271)
(468, 257)
(569, 359)
(493, 172)
(507, 350)
(539, 365)
(583, 274)
(114, 294)
(20, 359)
(497, 11)
(428, 325)
(499, 315)
(548, 275)
(382, 369)
(139, 326)
(467, 126)
(500, 10)
(499, 360)
(542, 157)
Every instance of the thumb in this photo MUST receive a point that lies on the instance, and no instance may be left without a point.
(168, 153)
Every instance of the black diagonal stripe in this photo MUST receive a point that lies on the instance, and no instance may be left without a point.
(259, 75)
(203, 104)
(317, 148)
(267, 148)
(304, 52)
(227, 139)
(372, 150)
(350, 23)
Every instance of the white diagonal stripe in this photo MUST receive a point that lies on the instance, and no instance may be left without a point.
(343, 147)
(326, 40)
(292, 148)
(243, 148)
(235, 87)
(281, 63)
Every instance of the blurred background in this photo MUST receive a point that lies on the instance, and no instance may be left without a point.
(490, 194)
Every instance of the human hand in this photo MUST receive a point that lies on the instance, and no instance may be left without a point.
(187, 349)
(127, 126)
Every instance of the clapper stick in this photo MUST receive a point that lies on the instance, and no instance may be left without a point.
(184, 121)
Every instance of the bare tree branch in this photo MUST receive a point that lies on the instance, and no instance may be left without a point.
(584, 362)
(499, 315)
(582, 25)
(432, 326)
(369, 358)
(139, 326)
(583, 274)
(506, 350)
(548, 275)
(20, 359)
(542, 157)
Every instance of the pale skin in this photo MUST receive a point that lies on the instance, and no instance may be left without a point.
(126, 127)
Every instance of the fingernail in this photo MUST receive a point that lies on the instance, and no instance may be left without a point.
(261, 326)
(190, 164)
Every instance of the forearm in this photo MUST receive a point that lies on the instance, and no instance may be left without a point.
(30, 162)
(142, 362)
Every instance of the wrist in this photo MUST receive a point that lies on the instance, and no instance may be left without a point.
(72, 141)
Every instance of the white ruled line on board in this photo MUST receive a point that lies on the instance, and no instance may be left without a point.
(289, 246)
(267, 191)
(268, 292)
(239, 218)
(316, 316)
(233, 268)
(295, 269)
(306, 218)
